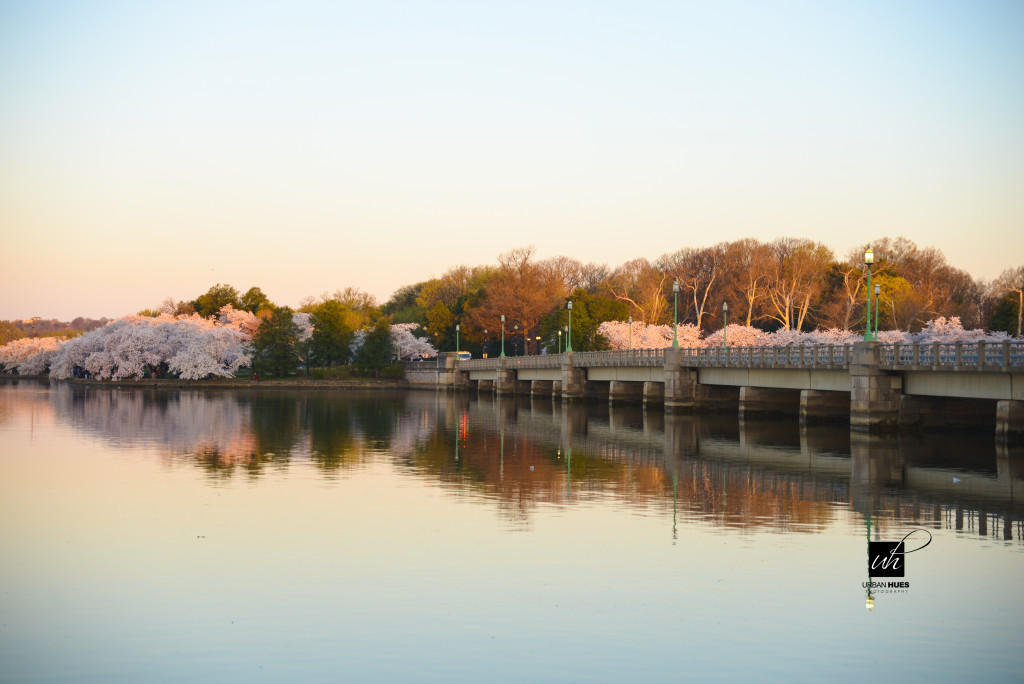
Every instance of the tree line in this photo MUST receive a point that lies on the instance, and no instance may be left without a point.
(786, 284)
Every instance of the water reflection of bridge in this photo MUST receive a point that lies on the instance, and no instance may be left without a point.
(953, 480)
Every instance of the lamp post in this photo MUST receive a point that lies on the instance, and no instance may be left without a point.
(515, 340)
(486, 342)
(456, 338)
(537, 342)
(675, 313)
(869, 258)
(725, 325)
(502, 334)
(631, 335)
(878, 291)
(559, 340)
(568, 337)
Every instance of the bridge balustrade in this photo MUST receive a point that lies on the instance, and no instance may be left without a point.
(950, 355)
(991, 356)
(798, 356)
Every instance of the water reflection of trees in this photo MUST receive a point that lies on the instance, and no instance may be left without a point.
(522, 453)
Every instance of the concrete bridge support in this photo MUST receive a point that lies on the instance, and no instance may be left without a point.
(874, 393)
(505, 383)
(574, 380)
(654, 393)
(1009, 420)
(540, 388)
(620, 391)
(758, 400)
(556, 389)
(818, 406)
(485, 386)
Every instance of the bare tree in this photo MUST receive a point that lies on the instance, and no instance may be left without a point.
(796, 279)
(642, 287)
(696, 269)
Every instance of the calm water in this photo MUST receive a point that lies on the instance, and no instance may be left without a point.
(327, 536)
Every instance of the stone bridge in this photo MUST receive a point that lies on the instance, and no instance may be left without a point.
(880, 387)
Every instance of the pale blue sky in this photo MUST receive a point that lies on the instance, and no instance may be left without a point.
(149, 150)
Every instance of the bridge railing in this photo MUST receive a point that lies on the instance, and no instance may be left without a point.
(991, 356)
(833, 356)
(621, 357)
(478, 364)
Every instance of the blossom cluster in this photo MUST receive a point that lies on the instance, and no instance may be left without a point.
(643, 336)
(190, 347)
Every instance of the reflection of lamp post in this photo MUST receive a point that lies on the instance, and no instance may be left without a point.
(456, 338)
(878, 291)
(869, 258)
(675, 313)
(870, 600)
(725, 325)
(568, 337)
(502, 334)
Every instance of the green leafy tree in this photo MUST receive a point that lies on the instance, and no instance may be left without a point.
(9, 332)
(216, 297)
(332, 333)
(378, 348)
(274, 343)
(588, 312)
(441, 323)
(254, 300)
(402, 307)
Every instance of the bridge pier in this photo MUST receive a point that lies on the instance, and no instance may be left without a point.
(683, 391)
(485, 386)
(654, 393)
(540, 388)
(1009, 420)
(505, 380)
(874, 394)
(556, 389)
(620, 391)
(818, 406)
(574, 380)
(760, 400)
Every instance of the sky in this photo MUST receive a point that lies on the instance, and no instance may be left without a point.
(152, 149)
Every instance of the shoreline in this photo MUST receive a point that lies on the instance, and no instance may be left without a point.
(224, 383)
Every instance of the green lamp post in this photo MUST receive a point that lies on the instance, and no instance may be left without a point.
(502, 334)
(456, 338)
(675, 313)
(725, 325)
(568, 337)
(878, 291)
(869, 258)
